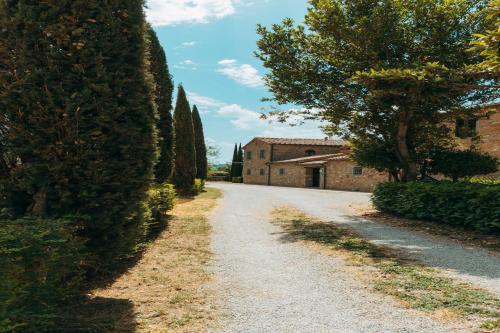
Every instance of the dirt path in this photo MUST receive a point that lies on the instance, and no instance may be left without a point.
(469, 264)
(270, 285)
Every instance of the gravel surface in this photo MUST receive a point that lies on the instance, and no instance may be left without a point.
(270, 285)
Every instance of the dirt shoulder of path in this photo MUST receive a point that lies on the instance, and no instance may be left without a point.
(166, 291)
(456, 234)
(392, 273)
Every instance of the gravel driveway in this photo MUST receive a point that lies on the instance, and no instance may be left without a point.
(274, 286)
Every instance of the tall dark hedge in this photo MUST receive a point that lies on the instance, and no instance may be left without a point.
(78, 108)
(185, 152)
(164, 88)
(199, 142)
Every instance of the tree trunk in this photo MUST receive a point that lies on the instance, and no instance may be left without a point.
(409, 165)
(39, 205)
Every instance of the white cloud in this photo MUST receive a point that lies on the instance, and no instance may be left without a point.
(244, 74)
(171, 12)
(187, 64)
(203, 102)
(243, 118)
(188, 44)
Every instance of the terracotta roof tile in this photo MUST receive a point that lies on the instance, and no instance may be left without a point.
(312, 159)
(303, 142)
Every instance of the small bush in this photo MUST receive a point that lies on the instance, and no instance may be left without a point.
(199, 186)
(160, 200)
(41, 266)
(463, 204)
(237, 180)
(484, 181)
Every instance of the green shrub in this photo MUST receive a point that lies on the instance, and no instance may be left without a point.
(160, 200)
(484, 181)
(463, 204)
(41, 265)
(237, 180)
(457, 164)
(199, 186)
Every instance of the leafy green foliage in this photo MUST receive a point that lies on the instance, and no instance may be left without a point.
(457, 164)
(463, 204)
(185, 151)
(79, 114)
(201, 148)
(160, 199)
(237, 180)
(484, 181)
(41, 266)
(163, 91)
(392, 69)
(199, 186)
(487, 44)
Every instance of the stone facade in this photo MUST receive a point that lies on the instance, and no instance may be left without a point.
(305, 163)
(489, 135)
(340, 176)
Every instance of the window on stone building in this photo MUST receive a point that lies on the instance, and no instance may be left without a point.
(249, 155)
(310, 152)
(249, 172)
(357, 171)
(465, 128)
(282, 172)
(262, 172)
(262, 153)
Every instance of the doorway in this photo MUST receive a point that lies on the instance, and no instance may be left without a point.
(316, 177)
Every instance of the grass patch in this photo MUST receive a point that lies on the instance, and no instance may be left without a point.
(166, 291)
(417, 286)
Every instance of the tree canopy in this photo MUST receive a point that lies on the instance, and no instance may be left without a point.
(392, 71)
(185, 151)
(201, 148)
(163, 90)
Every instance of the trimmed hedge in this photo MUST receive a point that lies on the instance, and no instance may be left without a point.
(237, 180)
(41, 266)
(463, 204)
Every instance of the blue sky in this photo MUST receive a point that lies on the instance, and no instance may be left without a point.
(209, 46)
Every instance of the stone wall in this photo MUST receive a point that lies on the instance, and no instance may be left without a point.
(489, 141)
(294, 175)
(489, 132)
(339, 176)
(256, 164)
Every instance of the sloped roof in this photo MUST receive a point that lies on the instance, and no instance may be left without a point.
(301, 142)
(307, 159)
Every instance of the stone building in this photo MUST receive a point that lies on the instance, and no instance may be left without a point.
(488, 130)
(306, 163)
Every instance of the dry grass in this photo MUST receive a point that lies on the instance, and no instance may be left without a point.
(391, 272)
(168, 288)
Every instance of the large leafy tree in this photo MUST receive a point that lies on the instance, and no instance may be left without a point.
(487, 43)
(164, 88)
(201, 148)
(185, 151)
(78, 113)
(388, 70)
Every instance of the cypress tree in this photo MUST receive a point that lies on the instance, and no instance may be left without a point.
(201, 149)
(78, 108)
(240, 162)
(164, 88)
(234, 162)
(185, 152)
